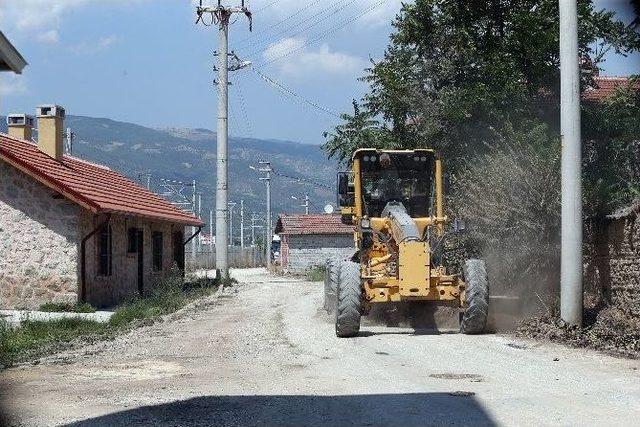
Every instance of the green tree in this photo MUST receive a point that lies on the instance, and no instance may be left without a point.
(456, 70)
(611, 151)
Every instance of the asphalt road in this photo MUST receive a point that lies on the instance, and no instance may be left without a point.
(265, 354)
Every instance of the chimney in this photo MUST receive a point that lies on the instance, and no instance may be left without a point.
(20, 126)
(50, 130)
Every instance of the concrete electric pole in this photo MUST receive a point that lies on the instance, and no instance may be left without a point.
(306, 203)
(241, 224)
(231, 206)
(70, 137)
(211, 231)
(193, 229)
(266, 168)
(220, 15)
(200, 217)
(571, 229)
(253, 234)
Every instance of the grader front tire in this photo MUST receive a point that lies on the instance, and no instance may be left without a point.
(349, 300)
(476, 304)
(331, 284)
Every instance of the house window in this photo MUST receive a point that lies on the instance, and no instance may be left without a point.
(105, 251)
(157, 250)
(132, 240)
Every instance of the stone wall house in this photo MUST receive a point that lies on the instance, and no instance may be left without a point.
(613, 264)
(75, 231)
(308, 240)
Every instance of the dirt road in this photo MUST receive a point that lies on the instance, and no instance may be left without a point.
(265, 354)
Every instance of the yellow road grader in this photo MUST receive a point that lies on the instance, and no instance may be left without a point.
(395, 200)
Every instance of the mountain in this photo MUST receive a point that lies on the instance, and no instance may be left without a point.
(179, 154)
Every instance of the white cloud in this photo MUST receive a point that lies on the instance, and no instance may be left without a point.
(12, 84)
(48, 37)
(43, 18)
(304, 61)
(381, 15)
(89, 48)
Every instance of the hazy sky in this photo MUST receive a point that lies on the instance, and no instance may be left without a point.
(145, 61)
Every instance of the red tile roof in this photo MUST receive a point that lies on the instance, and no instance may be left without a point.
(311, 224)
(95, 187)
(605, 86)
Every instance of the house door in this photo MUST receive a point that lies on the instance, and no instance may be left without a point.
(140, 248)
(178, 249)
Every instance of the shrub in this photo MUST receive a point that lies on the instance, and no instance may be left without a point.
(510, 197)
(67, 307)
(316, 274)
(34, 338)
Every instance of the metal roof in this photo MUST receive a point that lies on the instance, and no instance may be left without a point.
(94, 187)
(10, 58)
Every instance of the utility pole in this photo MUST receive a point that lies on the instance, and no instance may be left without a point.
(211, 231)
(571, 228)
(221, 15)
(70, 137)
(193, 229)
(231, 206)
(306, 203)
(253, 226)
(266, 168)
(200, 217)
(241, 224)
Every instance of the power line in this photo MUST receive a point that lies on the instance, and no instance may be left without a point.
(331, 30)
(324, 16)
(290, 93)
(277, 24)
(243, 111)
(266, 6)
(301, 179)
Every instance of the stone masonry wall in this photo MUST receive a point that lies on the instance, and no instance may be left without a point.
(123, 283)
(613, 267)
(312, 250)
(38, 243)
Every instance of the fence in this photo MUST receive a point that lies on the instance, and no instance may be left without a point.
(238, 258)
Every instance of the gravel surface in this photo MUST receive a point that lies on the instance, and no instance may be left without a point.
(263, 353)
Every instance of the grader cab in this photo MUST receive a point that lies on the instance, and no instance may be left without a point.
(395, 201)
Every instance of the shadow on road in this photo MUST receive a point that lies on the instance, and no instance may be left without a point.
(415, 409)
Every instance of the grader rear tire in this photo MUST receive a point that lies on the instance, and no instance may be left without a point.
(476, 304)
(330, 284)
(349, 296)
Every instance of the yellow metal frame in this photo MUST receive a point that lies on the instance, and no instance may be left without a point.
(417, 279)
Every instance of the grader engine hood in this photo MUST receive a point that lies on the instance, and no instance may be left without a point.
(403, 226)
(413, 254)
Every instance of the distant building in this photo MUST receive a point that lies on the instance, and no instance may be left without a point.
(10, 58)
(71, 230)
(604, 87)
(207, 239)
(308, 240)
